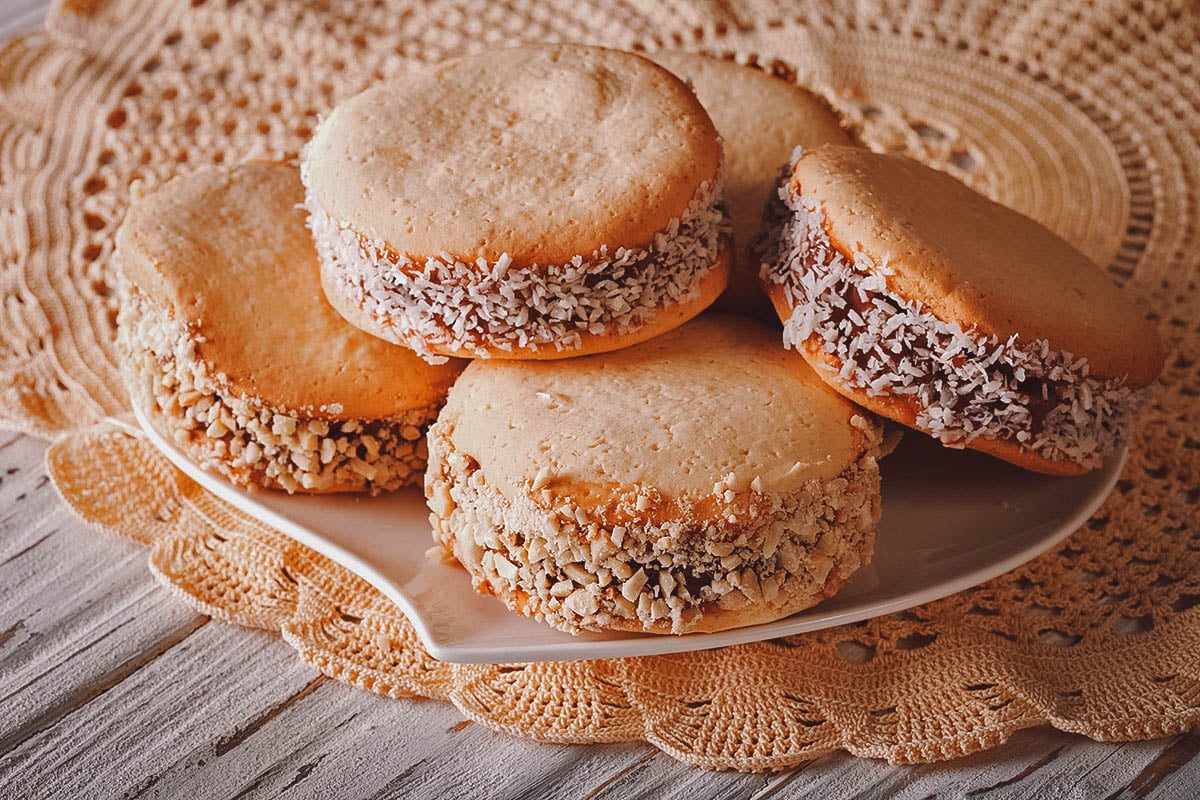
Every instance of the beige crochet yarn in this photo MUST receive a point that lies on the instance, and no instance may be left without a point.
(1085, 116)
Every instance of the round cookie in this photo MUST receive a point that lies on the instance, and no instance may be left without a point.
(229, 346)
(538, 202)
(703, 480)
(931, 305)
(762, 119)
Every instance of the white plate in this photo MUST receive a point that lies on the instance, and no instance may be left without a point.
(951, 519)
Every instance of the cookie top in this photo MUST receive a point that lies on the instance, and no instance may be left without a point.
(226, 252)
(673, 415)
(974, 262)
(761, 119)
(543, 152)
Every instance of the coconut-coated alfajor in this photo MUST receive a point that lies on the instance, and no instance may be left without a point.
(762, 119)
(230, 349)
(537, 202)
(931, 305)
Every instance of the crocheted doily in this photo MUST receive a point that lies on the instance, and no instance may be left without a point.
(1084, 116)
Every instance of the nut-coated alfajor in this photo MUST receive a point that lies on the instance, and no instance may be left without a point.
(703, 480)
(230, 349)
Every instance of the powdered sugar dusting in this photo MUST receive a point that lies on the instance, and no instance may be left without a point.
(482, 306)
(965, 384)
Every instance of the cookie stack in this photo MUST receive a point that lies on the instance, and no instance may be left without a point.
(486, 275)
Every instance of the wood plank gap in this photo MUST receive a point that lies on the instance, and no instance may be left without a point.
(227, 743)
(76, 654)
(86, 694)
(301, 773)
(1101, 762)
(1022, 775)
(618, 774)
(397, 785)
(1183, 749)
(14, 512)
(27, 548)
(778, 782)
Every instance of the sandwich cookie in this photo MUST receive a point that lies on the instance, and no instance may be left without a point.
(761, 119)
(703, 480)
(931, 305)
(537, 202)
(232, 352)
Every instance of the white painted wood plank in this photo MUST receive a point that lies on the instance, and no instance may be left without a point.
(658, 776)
(339, 742)
(1051, 763)
(78, 610)
(1040, 762)
(1173, 775)
(202, 689)
(26, 496)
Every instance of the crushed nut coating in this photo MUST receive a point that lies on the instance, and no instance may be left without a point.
(576, 571)
(247, 440)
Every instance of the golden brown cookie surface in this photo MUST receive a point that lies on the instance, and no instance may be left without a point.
(538, 202)
(226, 253)
(701, 480)
(541, 152)
(974, 262)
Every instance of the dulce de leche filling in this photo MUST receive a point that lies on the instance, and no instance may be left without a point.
(962, 384)
(439, 300)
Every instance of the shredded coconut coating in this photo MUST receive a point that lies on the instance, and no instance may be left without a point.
(248, 441)
(965, 384)
(500, 305)
(576, 572)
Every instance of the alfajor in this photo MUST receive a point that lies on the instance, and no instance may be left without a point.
(230, 349)
(931, 305)
(538, 202)
(703, 480)
(762, 119)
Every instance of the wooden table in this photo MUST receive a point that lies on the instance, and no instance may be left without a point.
(110, 687)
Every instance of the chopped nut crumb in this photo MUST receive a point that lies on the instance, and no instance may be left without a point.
(243, 438)
(650, 575)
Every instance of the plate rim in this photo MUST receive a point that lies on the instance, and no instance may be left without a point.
(633, 644)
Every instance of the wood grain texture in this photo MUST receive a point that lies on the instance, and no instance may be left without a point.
(109, 687)
(81, 611)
